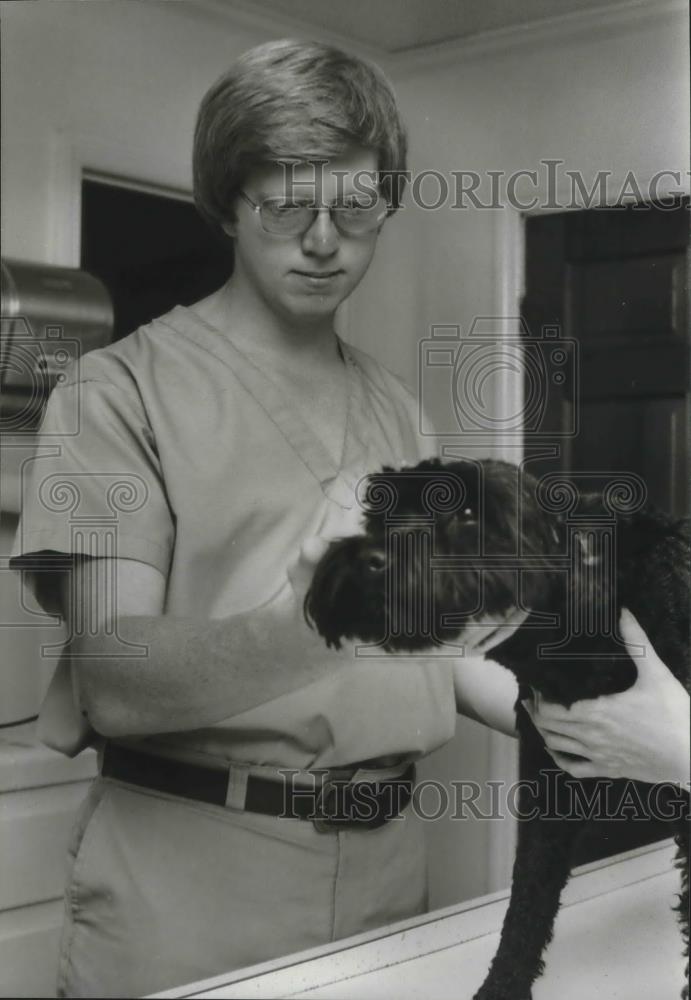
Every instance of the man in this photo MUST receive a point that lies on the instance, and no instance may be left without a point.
(219, 446)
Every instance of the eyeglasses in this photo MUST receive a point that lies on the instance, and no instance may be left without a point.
(282, 217)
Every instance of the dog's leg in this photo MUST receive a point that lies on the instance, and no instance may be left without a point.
(541, 869)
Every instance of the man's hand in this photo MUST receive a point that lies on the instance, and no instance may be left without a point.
(484, 690)
(642, 733)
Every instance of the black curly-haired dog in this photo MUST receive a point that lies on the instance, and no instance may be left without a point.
(446, 543)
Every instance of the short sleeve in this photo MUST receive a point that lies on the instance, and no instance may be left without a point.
(94, 486)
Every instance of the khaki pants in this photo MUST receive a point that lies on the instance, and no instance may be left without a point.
(164, 891)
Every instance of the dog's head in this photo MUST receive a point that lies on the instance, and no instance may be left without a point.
(442, 546)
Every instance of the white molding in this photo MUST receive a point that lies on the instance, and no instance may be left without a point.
(133, 184)
(509, 280)
(74, 155)
(64, 202)
(275, 23)
(610, 17)
(502, 833)
(596, 22)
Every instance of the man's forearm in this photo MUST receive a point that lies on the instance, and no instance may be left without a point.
(486, 692)
(194, 672)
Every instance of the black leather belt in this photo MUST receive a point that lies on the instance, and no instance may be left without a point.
(331, 801)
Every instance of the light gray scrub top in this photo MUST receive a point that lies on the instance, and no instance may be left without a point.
(211, 475)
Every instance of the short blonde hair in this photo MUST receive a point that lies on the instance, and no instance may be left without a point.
(293, 100)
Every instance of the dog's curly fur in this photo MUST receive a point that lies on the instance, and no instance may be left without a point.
(508, 547)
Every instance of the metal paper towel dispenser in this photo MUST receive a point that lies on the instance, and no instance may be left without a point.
(49, 317)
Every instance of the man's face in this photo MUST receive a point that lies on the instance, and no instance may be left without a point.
(301, 279)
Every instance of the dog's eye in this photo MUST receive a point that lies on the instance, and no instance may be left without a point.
(376, 562)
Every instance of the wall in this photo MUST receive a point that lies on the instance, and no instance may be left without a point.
(119, 83)
(614, 98)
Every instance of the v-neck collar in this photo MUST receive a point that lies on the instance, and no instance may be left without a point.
(337, 481)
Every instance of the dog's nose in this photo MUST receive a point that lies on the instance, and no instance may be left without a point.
(376, 562)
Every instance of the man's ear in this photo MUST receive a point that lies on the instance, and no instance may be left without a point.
(229, 227)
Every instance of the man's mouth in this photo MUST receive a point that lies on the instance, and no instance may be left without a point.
(318, 276)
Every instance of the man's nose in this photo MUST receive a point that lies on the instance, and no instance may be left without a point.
(322, 237)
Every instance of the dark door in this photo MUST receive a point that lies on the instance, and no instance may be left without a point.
(152, 251)
(614, 280)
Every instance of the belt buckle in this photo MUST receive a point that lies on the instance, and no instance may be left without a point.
(326, 820)
(321, 821)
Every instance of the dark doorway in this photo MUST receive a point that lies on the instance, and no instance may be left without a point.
(614, 280)
(152, 250)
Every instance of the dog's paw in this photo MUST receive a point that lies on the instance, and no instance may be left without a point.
(489, 991)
